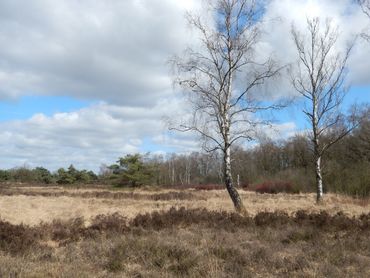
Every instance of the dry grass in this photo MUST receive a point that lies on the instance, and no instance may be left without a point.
(32, 205)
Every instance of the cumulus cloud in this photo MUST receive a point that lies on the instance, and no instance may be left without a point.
(110, 50)
(117, 52)
(345, 14)
(87, 137)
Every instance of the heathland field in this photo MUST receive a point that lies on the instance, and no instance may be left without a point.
(96, 232)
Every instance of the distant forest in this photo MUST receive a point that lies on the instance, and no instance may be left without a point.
(286, 165)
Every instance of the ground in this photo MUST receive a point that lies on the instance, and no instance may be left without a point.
(85, 232)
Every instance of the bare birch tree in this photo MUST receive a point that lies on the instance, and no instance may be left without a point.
(319, 78)
(220, 79)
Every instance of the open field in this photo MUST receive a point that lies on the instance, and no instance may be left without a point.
(179, 233)
(32, 205)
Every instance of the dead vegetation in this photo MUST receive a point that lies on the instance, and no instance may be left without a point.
(43, 204)
(61, 232)
(190, 243)
(103, 194)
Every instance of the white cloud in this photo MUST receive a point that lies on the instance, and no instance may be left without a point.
(275, 131)
(182, 142)
(281, 14)
(110, 50)
(116, 52)
(87, 137)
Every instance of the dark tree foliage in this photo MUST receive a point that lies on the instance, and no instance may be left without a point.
(43, 175)
(72, 175)
(133, 170)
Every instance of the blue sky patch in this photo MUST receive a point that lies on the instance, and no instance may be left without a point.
(26, 106)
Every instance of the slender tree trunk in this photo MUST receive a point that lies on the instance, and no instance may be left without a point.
(319, 186)
(173, 174)
(317, 152)
(234, 195)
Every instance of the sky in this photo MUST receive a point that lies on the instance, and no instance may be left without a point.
(85, 82)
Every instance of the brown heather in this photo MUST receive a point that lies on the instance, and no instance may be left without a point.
(190, 243)
(172, 240)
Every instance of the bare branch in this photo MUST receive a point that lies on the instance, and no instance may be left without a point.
(320, 78)
(365, 6)
(220, 77)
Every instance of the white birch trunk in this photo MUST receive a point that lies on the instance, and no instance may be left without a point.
(319, 185)
(317, 152)
(234, 195)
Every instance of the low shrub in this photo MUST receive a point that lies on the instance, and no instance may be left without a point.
(114, 223)
(19, 238)
(277, 218)
(191, 243)
(67, 230)
(208, 186)
(16, 239)
(173, 257)
(172, 195)
(274, 187)
(175, 196)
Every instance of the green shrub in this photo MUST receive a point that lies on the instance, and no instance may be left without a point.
(43, 175)
(5, 175)
(64, 177)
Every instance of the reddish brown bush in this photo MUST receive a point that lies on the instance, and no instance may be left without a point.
(274, 187)
(187, 217)
(209, 186)
(277, 218)
(66, 230)
(17, 238)
(114, 223)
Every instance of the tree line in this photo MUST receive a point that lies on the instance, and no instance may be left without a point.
(345, 168)
(41, 175)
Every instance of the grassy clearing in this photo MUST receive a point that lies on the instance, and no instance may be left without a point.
(32, 205)
(190, 243)
(104, 194)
